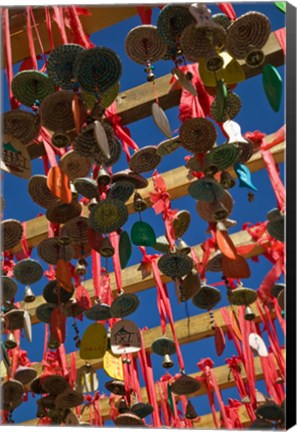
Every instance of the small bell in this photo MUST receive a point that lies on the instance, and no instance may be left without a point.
(220, 211)
(97, 111)
(190, 411)
(214, 63)
(81, 267)
(92, 203)
(64, 240)
(150, 76)
(248, 314)
(3, 323)
(10, 342)
(122, 406)
(73, 191)
(103, 178)
(227, 181)
(106, 249)
(209, 169)
(139, 204)
(183, 247)
(167, 362)
(29, 295)
(254, 58)
(53, 343)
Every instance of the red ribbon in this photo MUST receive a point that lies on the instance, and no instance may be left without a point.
(280, 35)
(59, 19)
(76, 27)
(228, 10)
(115, 241)
(145, 14)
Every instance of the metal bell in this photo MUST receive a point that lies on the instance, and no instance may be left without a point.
(64, 240)
(183, 247)
(190, 411)
(254, 58)
(122, 406)
(53, 343)
(150, 77)
(227, 181)
(139, 204)
(92, 203)
(103, 178)
(209, 169)
(29, 295)
(106, 249)
(220, 211)
(97, 111)
(81, 267)
(248, 314)
(10, 342)
(167, 362)
(73, 191)
(214, 63)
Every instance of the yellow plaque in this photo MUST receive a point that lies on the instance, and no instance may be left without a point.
(3, 371)
(231, 73)
(113, 366)
(94, 342)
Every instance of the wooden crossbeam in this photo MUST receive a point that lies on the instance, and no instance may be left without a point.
(222, 375)
(134, 281)
(135, 104)
(177, 181)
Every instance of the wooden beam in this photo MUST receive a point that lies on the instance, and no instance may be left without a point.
(134, 281)
(135, 104)
(177, 181)
(101, 17)
(222, 375)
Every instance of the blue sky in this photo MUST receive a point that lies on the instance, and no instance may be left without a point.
(255, 114)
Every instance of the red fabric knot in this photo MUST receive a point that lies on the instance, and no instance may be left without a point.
(256, 137)
(205, 364)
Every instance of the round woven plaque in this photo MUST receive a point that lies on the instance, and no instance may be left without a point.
(206, 189)
(36, 386)
(106, 99)
(51, 250)
(25, 374)
(39, 192)
(22, 125)
(138, 180)
(185, 385)
(86, 187)
(124, 305)
(98, 312)
(215, 263)
(145, 159)
(276, 228)
(72, 309)
(77, 229)
(12, 232)
(206, 210)
(115, 148)
(197, 135)
(232, 107)
(44, 311)
(251, 29)
(108, 216)
(190, 286)
(276, 289)
(142, 410)
(181, 223)
(12, 394)
(242, 296)
(163, 346)
(169, 146)
(271, 411)
(69, 399)
(53, 293)
(54, 384)
(97, 69)
(60, 65)
(62, 213)
(162, 244)
(121, 190)
(8, 288)
(30, 85)
(75, 165)
(128, 419)
(207, 298)
(222, 19)
(245, 151)
(143, 43)
(175, 264)
(14, 319)
(56, 112)
(28, 271)
(172, 20)
(116, 387)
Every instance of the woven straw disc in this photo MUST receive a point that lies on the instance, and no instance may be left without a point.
(194, 164)
(197, 135)
(163, 346)
(39, 192)
(77, 229)
(12, 232)
(245, 151)
(142, 409)
(97, 69)
(56, 113)
(232, 108)
(51, 250)
(224, 156)
(207, 298)
(12, 394)
(206, 189)
(115, 148)
(185, 385)
(252, 28)
(25, 374)
(62, 213)
(85, 142)
(215, 263)
(276, 228)
(116, 387)
(276, 289)
(243, 296)
(270, 411)
(53, 293)
(143, 43)
(47, 402)
(108, 216)
(181, 223)
(124, 305)
(74, 165)
(15, 319)
(195, 42)
(190, 286)
(60, 65)
(122, 190)
(44, 311)
(206, 209)
(145, 159)
(98, 312)
(54, 384)
(259, 424)
(30, 85)
(28, 271)
(138, 180)
(69, 399)
(169, 146)
(22, 125)
(8, 288)
(281, 299)
(172, 20)
(175, 264)
(106, 98)
(128, 419)
(86, 187)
